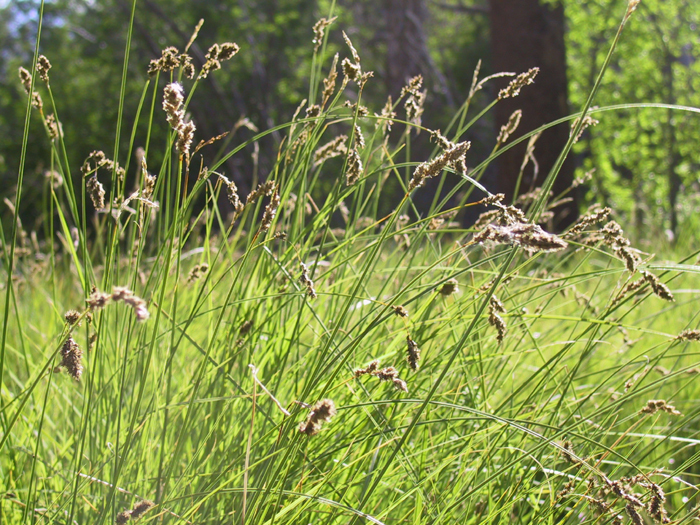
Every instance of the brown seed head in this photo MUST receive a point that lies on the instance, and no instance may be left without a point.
(25, 78)
(355, 168)
(386, 117)
(216, 54)
(451, 286)
(523, 79)
(659, 288)
(53, 126)
(530, 236)
(413, 354)
(689, 335)
(595, 215)
(42, 67)
(496, 198)
(329, 81)
(400, 311)
(334, 148)
(141, 508)
(185, 136)
(509, 128)
(71, 358)
(270, 212)
(306, 281)
(123, 517)
(173, 98)
(372, 368)
(319, 29)
(495, 309)
(655, 405)
(351, 70)
(634, 514)
(321, 412)
(72, 316)
(451, 157)
(96, 192)
(37, 102)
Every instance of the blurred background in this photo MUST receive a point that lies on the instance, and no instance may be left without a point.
(646, 160)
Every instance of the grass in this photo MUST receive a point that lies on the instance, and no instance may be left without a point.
(257, 315)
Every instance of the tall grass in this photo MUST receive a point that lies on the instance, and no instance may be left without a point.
(295, 359)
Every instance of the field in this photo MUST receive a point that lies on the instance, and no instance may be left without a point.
(179, 352)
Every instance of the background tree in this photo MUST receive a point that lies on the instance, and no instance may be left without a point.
(643, 157)
(526, 34)
(643, 160)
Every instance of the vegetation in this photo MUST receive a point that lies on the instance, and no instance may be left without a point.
(316, 349)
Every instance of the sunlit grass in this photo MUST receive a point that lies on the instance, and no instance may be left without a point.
(546, 426)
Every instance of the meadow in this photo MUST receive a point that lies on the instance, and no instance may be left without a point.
(175, 351)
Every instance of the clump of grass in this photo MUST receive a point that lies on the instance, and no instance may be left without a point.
(528, 339)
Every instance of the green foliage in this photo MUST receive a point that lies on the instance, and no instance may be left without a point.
(636, 151)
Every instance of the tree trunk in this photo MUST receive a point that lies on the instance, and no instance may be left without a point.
(407, 53)
(525, 34)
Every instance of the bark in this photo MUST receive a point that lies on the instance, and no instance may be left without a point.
(525, 34)
(407, 53)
